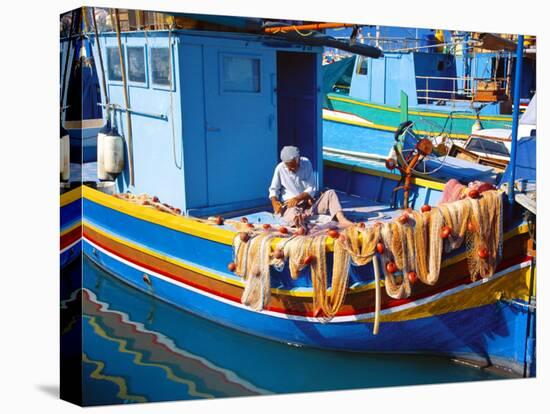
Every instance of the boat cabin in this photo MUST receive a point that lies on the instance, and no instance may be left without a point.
(381, 80)
(442, 81)
(210, 112)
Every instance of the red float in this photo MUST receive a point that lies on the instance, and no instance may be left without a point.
(391, 164)
(333, 233)
(446, 232)
(283, 230)
(380, 248)
(485, 187)
(301, 231)
(308, 260)
(391, 267)
(404, 218)
(412, 277)
(473, 194)
(425, 208)
(483, 253)
(232, 266)
(219, 220)
(266, 226)
(244, 236)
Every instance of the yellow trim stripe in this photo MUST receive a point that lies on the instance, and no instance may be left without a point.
(421, 113)
(511, 285)
(201, 271)
(386, 127)
(70, 196)
(161, 256)
(422, 182)
(238, 283)
(74, 226)
(178, 223)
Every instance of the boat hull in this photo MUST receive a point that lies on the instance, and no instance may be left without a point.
(187, 269)
(387, 118)
(70, 226)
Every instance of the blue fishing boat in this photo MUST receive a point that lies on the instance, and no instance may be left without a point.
(449, 93)
(201, 116)
(82, 115)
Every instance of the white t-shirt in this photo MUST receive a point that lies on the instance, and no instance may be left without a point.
(286, 184)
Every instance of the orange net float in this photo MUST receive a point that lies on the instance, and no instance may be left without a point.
(333, 233)
(446, 232)
(413, 278)
(391, 164)
(391, 267)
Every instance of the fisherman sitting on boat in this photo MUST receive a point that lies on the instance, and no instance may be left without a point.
(293, 181)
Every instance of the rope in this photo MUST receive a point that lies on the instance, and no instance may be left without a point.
(176, 163)
(416, 246)
(103, 82)
(377, 295)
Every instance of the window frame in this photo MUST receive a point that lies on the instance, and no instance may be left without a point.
(360, 60)
(225, 54)
(109, 79)
(145, 83)
(171, 68)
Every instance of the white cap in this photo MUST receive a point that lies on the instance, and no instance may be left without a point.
(289, 153)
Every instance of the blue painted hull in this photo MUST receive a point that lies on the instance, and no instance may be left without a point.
(70, 216)
(489, 334)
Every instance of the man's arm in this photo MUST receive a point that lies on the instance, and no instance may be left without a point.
(276, 204)
(274, 190)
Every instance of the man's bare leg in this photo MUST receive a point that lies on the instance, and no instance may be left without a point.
(343, 220)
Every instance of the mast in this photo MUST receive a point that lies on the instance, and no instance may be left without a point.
(515, 118)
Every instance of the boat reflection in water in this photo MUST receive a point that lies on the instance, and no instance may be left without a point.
(138, 349)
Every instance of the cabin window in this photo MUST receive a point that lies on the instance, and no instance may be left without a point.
(488, 147)
(240, 74)
(114, 68)
(136, 64)
(441, 65)
(362, 66)
(160, 66)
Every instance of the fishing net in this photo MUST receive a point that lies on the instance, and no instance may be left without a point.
(253, 262)
(414, 245)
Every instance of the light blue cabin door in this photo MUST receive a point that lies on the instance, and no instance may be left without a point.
(240, 122)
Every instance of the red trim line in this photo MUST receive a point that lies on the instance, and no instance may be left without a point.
(70, 237)
(368, 309)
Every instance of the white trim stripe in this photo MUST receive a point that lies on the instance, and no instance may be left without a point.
(70, 245)
(336, 319)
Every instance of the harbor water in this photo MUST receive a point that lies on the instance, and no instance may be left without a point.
(139, 349)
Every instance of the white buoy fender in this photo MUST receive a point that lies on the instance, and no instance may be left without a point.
(101, 173)
(65, 157)
(113, 154)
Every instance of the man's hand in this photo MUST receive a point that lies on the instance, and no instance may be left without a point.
(298, 199)
(277, 206)
(293, 202)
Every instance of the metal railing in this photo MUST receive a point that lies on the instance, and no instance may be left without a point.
(464, 88)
